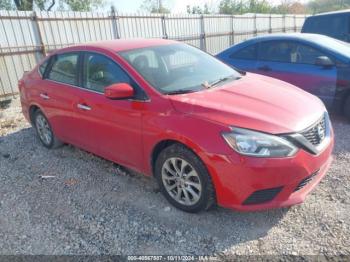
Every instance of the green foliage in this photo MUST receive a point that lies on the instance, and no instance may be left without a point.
(74, 5)
(84, 5)
(198, 10)
(244, 6)
(319, 6)
(232, 7)
(154, 6)
(7, 5)
(261, 7)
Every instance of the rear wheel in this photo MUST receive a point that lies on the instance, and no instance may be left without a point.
(184, 180)
(44, 131)
(347, 107)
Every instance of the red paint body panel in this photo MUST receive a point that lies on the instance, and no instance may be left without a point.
(127, 131)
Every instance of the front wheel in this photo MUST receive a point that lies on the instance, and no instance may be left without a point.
(44, 131)
(184, 180)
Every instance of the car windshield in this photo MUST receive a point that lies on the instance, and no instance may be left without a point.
(336, 45)
(179, 68)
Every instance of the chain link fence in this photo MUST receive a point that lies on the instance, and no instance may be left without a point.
(26, 37)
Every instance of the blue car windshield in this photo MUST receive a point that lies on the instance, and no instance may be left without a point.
(179, 68)
(336, 46)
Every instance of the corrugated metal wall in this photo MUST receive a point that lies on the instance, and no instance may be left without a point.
(28, 36)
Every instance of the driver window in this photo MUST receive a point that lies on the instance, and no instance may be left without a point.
(305, 55)
(101, 72)
(276, 51)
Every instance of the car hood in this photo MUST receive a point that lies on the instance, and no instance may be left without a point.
(255, 102)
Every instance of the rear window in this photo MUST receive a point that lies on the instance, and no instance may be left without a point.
(64, 68)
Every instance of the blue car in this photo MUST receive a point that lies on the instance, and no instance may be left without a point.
(333, 24)
(316, 63)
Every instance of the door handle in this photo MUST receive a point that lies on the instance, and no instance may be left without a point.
(83, 107)
(265, 68)
(44, 96)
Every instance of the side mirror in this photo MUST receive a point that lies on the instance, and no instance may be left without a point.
(119, 91)
(324, 61)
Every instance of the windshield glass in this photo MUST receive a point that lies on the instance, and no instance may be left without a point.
(335, 45)
(179, 68)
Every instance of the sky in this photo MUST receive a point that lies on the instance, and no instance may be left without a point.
(176, 6)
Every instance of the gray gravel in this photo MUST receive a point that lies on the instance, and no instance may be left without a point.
(88, 205)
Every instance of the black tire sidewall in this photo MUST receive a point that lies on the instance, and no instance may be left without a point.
(36, 129)
(180, 151)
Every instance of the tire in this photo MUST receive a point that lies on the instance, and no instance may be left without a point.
(44, 131)
(347, 107)
(178, 169)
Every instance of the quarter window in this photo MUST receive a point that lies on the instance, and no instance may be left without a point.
(64, 68)
(43, 66)
(101, 72)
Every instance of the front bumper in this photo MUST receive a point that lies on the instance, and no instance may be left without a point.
(286, 181)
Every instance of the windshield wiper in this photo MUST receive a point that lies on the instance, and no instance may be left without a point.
(223, 80)
(181, 91)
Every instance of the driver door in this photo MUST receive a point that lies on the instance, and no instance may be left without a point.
(294, 62)
(110, 128)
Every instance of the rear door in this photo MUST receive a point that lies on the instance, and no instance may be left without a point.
(58, 95)
(294, 62)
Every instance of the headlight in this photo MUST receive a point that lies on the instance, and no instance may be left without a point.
(252, 143)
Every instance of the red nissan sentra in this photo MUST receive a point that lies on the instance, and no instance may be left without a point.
(207, 132)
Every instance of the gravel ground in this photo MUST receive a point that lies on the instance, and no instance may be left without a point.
(88, 205)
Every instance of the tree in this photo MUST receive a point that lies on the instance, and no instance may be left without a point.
(290, 7)
(319, 6)
(84, 5)
(6, 5)
(244, 6)
(154, 6)
(24, 5)
(232, 7)
(47, 5)
(199, 10)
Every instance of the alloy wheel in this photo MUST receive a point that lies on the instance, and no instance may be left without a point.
(181, 181)
(43, 129)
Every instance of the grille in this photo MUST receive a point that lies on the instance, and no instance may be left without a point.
(305, 181)
(262, 196)
(317, 133)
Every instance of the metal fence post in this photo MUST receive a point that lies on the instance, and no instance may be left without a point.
(164, 31)
(284, 23)
(38, 35)
(232, 40)
(295, 23)
(270, 24)
(203, 45)
(255, 25)
(114, 23)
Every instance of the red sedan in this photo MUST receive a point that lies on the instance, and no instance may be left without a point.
(208, 133)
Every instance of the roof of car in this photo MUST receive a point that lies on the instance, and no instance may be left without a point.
(295, 36)
(334, 12)
(334, 45)
(128, 44)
